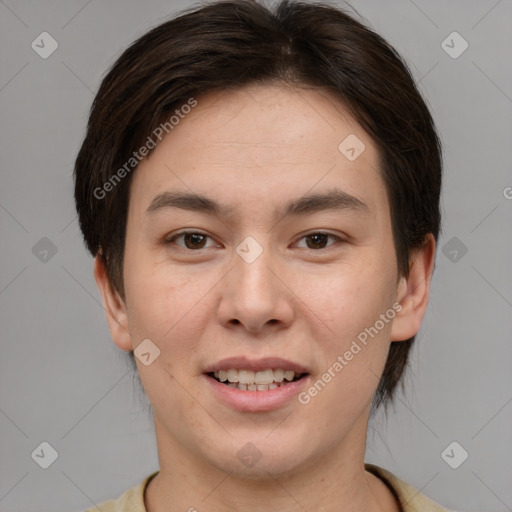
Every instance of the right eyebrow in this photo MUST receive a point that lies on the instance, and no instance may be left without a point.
(186, 201)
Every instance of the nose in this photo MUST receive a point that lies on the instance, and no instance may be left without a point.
(256, 295)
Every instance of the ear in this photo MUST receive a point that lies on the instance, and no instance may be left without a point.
(114, 305)
(413, 291)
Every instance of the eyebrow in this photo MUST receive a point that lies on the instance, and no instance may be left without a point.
(334, 199)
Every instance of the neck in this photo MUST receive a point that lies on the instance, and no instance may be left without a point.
(335, 482)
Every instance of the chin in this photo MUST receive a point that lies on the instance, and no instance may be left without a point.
(262, 459)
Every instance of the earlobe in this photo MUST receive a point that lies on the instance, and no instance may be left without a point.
(114, 305)
(413, 291)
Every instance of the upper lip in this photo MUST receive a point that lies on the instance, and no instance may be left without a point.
(256, 365)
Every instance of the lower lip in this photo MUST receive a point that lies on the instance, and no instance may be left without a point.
(256, 401)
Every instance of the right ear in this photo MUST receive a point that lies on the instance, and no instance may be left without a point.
(114, 305)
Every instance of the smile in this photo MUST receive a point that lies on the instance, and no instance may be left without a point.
(256, 385)
(249, 380)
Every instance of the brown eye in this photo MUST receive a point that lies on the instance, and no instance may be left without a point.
(191, 240)
(318, 240)
(194, 240)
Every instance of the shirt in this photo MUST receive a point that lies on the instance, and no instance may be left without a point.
(409, 498)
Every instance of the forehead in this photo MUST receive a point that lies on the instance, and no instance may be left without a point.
(263, 141)
(265, 122)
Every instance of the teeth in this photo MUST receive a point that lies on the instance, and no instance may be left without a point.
(254, 381)
(278, 375)
(246, 377)
(264, 377)
(288, 375)
(253, 387)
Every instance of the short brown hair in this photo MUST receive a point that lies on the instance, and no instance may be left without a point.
(229, 44)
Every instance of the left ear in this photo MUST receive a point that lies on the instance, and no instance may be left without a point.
(414, 290)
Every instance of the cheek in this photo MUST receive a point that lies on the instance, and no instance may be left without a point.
(165, 304)
(147, 293)
(351, 297)
(354, 350)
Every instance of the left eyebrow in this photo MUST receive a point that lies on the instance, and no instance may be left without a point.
(334, 199)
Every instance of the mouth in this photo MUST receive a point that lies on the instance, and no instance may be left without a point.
(256, 385)
(250, 380)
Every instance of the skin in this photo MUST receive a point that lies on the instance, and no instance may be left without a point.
(253, 150)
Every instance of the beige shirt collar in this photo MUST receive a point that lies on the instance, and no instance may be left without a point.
(409, 498)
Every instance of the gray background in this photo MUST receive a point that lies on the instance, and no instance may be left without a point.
(63, 381)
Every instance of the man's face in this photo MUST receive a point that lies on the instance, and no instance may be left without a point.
(269, 275)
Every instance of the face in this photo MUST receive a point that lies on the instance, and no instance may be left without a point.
(253, 244)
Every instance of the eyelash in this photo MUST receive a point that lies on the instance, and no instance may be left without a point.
(184, 233)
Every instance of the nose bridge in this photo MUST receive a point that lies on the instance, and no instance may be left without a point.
(254, 296)
(255, 275)
(255, 280)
